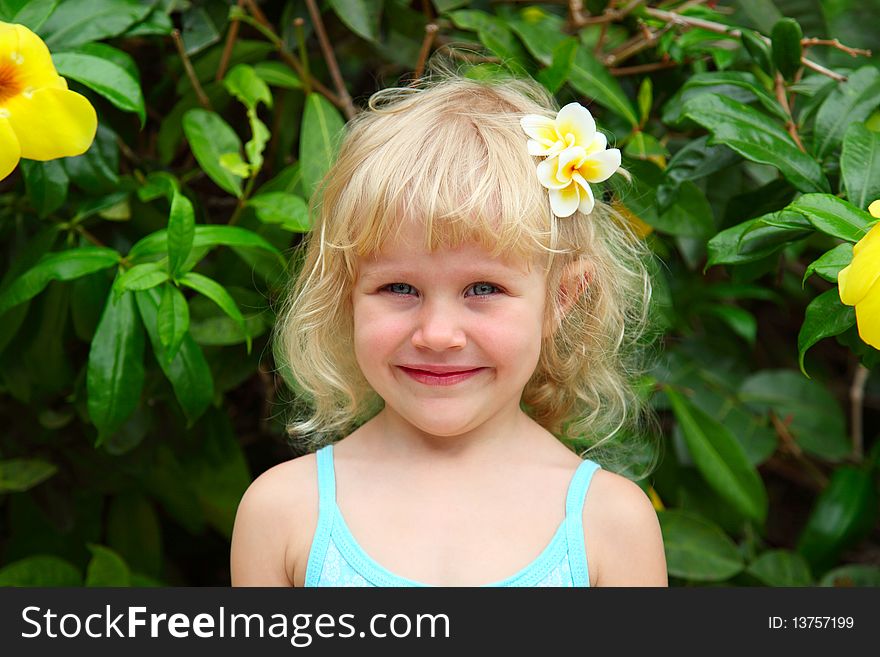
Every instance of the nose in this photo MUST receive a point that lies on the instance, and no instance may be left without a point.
(439, 327)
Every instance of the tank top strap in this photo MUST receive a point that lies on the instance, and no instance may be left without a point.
(326, 513)
(574, 525)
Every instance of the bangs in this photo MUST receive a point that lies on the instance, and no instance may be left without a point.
(460, 170)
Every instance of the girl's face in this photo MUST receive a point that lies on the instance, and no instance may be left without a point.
(452, 309)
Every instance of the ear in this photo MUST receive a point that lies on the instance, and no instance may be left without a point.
(574, 281)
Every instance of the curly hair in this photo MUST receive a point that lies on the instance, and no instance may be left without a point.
(451, 153)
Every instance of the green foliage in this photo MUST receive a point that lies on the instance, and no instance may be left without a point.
(142, 277)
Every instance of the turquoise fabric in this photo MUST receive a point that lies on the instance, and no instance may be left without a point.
(336, 559)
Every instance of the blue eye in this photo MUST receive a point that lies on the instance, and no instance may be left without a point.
(488, 288)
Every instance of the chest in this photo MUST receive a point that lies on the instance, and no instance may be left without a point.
(457, 538)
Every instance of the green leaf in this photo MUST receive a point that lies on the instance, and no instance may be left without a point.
(758, 50)
(787, 50)
(277, 75)
(826, 316)
(860, 165)
(645, 100)
(40, 571)
(46, 184)
(34, 13)
(218, 294)
(234, 236)
(829, 264)
(172, 321)
(243, 82)
(851, 102)
(57, 265)
(98, 66)
(362, 16)
(690, 215)
(737, 85)
(75, 22)
(811, 413)
(555, 75)
(740, 321)
(17, 475)
(852, 575)
(781, 568)
(282, 208)
(756, 137)
(133, 532)
(844, 513)
(218, 471)
(140, 277)
(181, 229)
(696, 549)
(234, 163)
(188, 371)
(542, 33)
(720, 459)
(833, 216)
(322, 127)
(115, 375)
(210, 137)
(725, 247)
(590, 77)
(106, 568)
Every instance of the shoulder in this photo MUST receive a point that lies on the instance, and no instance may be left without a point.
(274, 525)
(622, 532)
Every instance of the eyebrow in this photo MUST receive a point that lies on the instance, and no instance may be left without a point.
(477, 272)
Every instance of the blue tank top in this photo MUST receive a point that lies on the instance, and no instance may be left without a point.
(336, 559)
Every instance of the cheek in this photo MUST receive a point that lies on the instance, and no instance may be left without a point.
(375, 331)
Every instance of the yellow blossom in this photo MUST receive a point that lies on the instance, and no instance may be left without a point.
(859, 282)
(40, 119)
(575, 154)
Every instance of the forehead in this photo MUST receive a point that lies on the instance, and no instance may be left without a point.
(407, 253)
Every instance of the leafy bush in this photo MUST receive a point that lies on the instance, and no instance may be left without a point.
(141, 396)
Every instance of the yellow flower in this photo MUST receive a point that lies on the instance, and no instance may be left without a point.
(575, 155)
(40, 119)
(859, 282)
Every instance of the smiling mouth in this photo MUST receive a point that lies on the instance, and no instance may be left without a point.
(448, 379)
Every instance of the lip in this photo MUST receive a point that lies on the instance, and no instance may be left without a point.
(439, 379)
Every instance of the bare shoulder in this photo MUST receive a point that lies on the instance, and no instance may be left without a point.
(622, 533)
(274, 525)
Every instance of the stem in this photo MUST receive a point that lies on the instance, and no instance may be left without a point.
(834, 43)
(856, 400)
(783, 100)
(794, 449)
(289, 58)
(330, 58)
(79, 228)
(190, 73)
(303, 54)
(231, 36)
(430, 31)
(248, 188)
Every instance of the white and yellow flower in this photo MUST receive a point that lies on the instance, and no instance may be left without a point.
(859, 282)
(40, 119)
(576, 155)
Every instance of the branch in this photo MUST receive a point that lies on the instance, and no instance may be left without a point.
(330, 58)
(856, 399)
(190, 73)
(231, 36)
(779, 84)
(430, 32)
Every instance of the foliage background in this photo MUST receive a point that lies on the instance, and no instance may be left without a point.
(140, 395)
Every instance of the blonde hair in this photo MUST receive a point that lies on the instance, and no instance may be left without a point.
(451, 154)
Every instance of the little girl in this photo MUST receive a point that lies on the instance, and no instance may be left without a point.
(466, 317)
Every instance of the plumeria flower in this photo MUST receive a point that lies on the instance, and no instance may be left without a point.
(859, 282)
(576, 155)
(40, 119)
